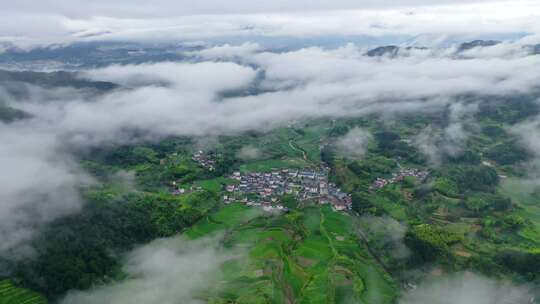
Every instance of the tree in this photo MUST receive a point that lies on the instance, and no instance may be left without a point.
(361, 201)
(508, 153)
(493, 131)
(79, 250)
(471, 177)
(429, 242)
(524, 262)
(446, 187)
(513, 221)
(328, 155)
(476, 203)
(467, 157)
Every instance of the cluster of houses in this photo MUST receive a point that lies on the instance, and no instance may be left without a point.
(265, 189)
(398, 177)
(175, 190)
(204, 160)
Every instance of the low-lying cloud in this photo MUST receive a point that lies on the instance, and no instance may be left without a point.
(452, 140)
(354, 144)
(466, 288)
(38, 183)
(248, 153)
(166, 271)
(386, 233)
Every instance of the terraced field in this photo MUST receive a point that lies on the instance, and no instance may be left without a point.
(10, 294)
(311, 256)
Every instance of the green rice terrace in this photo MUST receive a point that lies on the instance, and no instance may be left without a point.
(312, 256)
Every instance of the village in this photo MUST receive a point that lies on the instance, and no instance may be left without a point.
(398, 177)
(204, 160)
(266, 188)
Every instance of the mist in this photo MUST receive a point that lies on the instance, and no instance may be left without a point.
(248, 153)
(452, 139)
(167, 271)
(353, 145)
(38, 183)
(387, 233)
(467, 288)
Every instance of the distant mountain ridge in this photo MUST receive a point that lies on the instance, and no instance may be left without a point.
(16, 83)
(54, 79)
(393, 51)
(477, 43)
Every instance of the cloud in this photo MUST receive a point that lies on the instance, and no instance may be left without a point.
(61, 21)
(164, 8)
(124, 179)
(38, 183)
(165, 271)
(466, 288)
(452, 140)
(354, 144)
(248, 153)
(386, 233)
(528, 134)
(227, 51)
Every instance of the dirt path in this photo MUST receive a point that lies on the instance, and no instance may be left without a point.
(304, 154)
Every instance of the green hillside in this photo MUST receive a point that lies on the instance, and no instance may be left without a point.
(10, 294)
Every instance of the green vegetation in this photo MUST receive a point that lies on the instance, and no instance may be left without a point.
(267, 165)
(308, 256)
(109, 222)
(11, 294)
(507, 153)
(473, 212)
(430, 243)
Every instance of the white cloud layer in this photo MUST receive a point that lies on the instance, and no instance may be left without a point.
(163, 8)
(29, 23)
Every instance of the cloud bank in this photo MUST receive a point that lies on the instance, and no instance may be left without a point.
(167, 271)
(52, 21)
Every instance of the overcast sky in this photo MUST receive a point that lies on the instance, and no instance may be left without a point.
(28, 23)
(164, 8)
